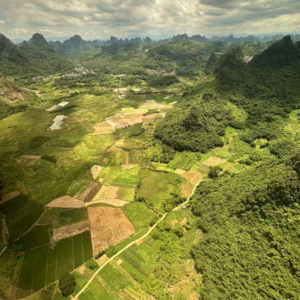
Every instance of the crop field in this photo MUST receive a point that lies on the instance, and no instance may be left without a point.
(184, 160)
(139, 215)
(128, 178)
(72, 216)
(151, 269)
(20, 215)
(109, 226)
(45, 264)
(156, 187)
(37, 236)
(50, 216)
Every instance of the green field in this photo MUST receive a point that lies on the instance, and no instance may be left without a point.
(20, 215)
(46, 264)
(128, 178)
(156, 187)
(37, 236)
(139, 215)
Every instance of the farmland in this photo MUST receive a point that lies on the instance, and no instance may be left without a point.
(77, 172)
(46, 264)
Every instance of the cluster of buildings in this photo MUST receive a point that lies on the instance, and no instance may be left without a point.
(78, 72)
(162, 72)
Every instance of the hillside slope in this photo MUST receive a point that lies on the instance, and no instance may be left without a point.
(35, 57)
(14, 98)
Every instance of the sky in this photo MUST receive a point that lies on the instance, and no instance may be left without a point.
(100, 19)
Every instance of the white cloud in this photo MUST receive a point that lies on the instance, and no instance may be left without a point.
(2, 22)
(102, 18)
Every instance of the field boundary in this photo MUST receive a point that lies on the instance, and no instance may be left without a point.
(76, 297)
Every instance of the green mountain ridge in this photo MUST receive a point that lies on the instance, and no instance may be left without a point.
(34, 57)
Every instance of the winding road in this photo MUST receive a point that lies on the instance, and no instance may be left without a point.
(136, 241)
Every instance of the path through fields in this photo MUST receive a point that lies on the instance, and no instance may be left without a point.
(136, 241)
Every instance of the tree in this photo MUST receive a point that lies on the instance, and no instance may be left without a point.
(169, 207)
(214, 172)
(67, 284)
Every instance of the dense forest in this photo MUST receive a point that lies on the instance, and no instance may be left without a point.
(250, 221)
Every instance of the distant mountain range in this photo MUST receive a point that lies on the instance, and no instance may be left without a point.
(229, 39)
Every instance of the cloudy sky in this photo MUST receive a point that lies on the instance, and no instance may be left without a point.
(155, 18)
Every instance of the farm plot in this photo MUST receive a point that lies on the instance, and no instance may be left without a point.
(90, 192)
(96, 169)
(28, 160)
(103, 128)
(65, 202)
(45, 264)
(72, 216)
(37, 236)
(192, 177)
(50, 216)
(128, 178)
(20, 215)
(156, 187)
(109, 226)
(215, 161)
(139, 215)
(9, 196)
(63, 232)
(77, 187)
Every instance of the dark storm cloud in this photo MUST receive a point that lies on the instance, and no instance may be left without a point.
(102, 18)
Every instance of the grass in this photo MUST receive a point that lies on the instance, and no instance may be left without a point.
(39, 235)
(20, 215)
(139, 215)
(156, 187)
(128, 178)
(77, 187)
(65, 256)
(72, 216)
(125, 193)
(184, 160)
(50, 216)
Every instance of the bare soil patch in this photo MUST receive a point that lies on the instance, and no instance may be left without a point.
(66, 202)
(10, 196)
(215, 161)
(103, 128)
(109, 226)
(90, 192)
(150, 117)
(193, 176)
(180, 171)
(105, 160)
(112, 202)
(103, 259)
(130, 166)
(96, 169)
(28, 160)
(70, 230)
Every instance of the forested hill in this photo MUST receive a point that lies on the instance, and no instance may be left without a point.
(34, 57)
(73, 45)
(265, 92)
(250, 248)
